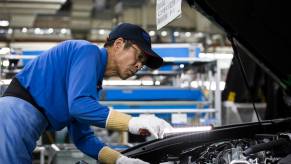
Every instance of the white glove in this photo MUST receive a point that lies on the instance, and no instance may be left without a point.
(148, 124)
(125, 160)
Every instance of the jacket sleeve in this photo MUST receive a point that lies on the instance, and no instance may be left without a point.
(84, 73)
(84, 139)
(82, 93)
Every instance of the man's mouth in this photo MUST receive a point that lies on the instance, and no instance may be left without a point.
(132, 72)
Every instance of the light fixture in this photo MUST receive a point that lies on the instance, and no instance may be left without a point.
(164, 33)
(38, 31)
(63, 31)
(155, 72)
(176, 33)
(187, 34)
(10, 31)
(152, 33)
(4, 23)
(50, 30)
(24, 30)
(101, 31)
(4, 51)
(199, 35)
(5, 63)
(157, 83)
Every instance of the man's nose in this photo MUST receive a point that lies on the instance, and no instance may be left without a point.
(138, 65)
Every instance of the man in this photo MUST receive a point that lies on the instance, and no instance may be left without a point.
(58, 89)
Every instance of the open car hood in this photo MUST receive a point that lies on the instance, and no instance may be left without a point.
(182, 146)
(260, 28)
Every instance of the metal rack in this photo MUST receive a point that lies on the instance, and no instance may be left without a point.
(186, 54)
(214, 102)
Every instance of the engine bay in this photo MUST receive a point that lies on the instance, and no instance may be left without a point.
(263, 148)
(250, 143)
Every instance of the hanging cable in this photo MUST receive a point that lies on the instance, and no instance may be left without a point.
(243, 72)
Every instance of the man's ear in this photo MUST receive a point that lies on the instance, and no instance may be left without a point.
(118, 43)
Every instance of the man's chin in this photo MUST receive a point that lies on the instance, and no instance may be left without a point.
(125, 77)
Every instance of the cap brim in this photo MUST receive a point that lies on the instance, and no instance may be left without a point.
(154, 61)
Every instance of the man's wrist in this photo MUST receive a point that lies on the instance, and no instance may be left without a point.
(117, 121)
(108, 155)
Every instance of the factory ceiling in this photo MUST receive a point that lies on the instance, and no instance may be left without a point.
(80, 16)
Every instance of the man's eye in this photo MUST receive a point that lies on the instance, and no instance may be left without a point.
(142, 58)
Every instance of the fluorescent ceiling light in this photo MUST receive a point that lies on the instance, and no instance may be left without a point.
(101, 31)
(157, 83)
(188, 34)
(152, 33)
(63, 30)
(10, 31)
(176, 33)
(24, 30)
(50, 30)
(5, 63)
(164, 33)
(4, 51)
(38, 31)
(4, 23)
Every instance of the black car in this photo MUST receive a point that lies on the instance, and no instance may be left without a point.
(259, 30)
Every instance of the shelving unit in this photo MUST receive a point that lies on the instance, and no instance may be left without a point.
(179, 59)
(140, 100)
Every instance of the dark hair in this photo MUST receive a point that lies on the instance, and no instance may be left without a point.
(110, 43)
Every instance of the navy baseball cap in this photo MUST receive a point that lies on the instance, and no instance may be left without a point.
(140, 37)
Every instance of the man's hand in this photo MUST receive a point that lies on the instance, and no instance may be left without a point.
(125, 160)
(146, 125)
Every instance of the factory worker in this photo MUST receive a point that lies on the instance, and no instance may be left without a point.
(60, 88)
